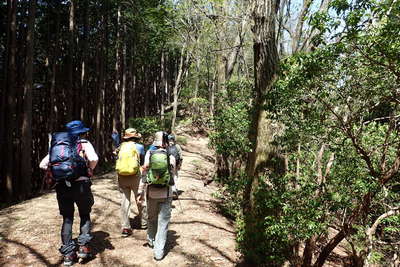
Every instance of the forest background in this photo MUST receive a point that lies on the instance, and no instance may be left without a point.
(300, 101)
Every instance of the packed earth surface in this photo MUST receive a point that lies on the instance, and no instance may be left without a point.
(197, 236)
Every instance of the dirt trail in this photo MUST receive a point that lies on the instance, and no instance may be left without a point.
(198, 236)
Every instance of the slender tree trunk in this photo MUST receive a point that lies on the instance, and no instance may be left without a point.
(123, 86)
(69, 87)
(11, 117)
(196, 86)
(176, 87)
(26, 155)
(163, 84)
(4, 99)
(84, 90)
(298, 33)
(117, 82)
(54, 108)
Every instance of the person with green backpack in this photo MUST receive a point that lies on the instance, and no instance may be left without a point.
(130, 158)
(156, 189)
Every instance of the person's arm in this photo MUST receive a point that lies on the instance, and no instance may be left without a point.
(90, 154)
(141, 189)
(172, 163)
(146, 163)
(44, 164)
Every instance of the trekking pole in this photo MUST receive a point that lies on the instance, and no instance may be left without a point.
(180, 206)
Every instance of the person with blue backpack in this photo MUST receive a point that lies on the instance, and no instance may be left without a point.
(130, 157)
(156, 189)
(71, 161)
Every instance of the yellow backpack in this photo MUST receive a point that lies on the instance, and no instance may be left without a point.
(128, 159)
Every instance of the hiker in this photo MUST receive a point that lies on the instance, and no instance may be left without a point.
(156, 189)
(130, 158)
(175, 150)
(71, 160)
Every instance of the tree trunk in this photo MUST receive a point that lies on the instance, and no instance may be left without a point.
(123, 85)
(26, 155)
(176, 87)
(84, 90)
(69, 87)
(54, 109)
(164, 84)
(11, 103)
(4, 99)
(265, 69)
(117, 82)
(298, 33)
(232, 58)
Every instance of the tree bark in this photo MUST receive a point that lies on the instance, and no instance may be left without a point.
(11, 118)
(69, 87)
(117, 71)
(176, 87)
(265, 68)
(123, 85)
(84, 90)
(26, 155)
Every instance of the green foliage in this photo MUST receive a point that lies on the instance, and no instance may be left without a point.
(200, 114)
(338, 105)
(147, 126)
(232, 121)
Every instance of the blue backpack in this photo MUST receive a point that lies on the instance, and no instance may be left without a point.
(65, 161)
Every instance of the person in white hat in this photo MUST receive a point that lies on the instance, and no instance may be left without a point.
(156, 189)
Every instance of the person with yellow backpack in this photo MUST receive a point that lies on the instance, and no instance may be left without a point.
(130, 158)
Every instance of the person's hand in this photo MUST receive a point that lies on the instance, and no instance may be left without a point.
(140, 197)
(90, 172)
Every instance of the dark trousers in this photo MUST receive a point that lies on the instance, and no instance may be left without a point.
(80, 194)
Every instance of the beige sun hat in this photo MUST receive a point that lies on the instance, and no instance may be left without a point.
(131, 133)
(158, 139)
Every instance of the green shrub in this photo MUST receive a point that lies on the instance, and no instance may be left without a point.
(147, 126)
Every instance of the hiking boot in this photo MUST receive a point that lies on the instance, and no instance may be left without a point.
(84, 252)
(69, 260)
(126, 232)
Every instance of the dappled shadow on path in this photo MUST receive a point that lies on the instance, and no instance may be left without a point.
(205, 223)
(99, 244)
(172, 238)
(217, 250)
(107, 199)
(206, 157)
(31, 250)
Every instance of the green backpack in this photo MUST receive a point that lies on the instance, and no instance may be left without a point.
(159, 172)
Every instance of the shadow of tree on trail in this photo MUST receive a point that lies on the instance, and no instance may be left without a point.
(217, 250)
(99, 244)
(206, 157)
(32, 251)
(205, 223)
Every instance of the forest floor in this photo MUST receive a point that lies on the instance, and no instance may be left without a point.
(198, 235)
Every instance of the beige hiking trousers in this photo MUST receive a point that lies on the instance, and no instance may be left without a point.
(127, 184)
